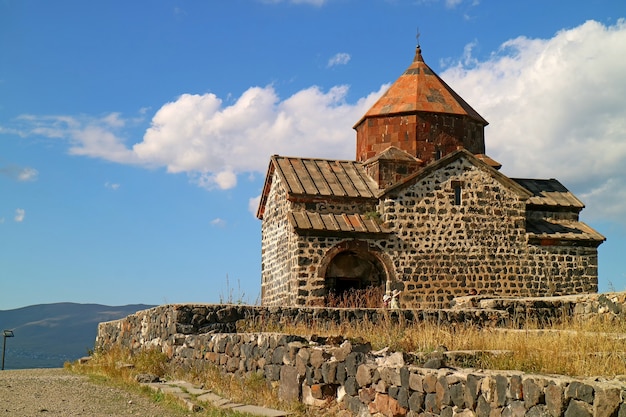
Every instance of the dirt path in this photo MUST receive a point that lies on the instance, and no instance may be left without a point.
(57, 392)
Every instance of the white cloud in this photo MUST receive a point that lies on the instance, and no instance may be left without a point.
(558, 110)
(253, 204)
(111, 186)
(213, 143)
(217, 222)
(19, 173)
(19, 215)
(340, 58)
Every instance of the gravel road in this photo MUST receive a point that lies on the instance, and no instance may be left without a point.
(57, 392)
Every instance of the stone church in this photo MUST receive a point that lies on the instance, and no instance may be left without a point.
(422, 210)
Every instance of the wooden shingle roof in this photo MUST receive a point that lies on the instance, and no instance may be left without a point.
(324, 177)
(564, 230)
(549, 193)
(332, 223)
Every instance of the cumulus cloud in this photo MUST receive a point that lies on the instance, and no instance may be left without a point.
(340, 58)
(558, 110)
(213, 143)
(19, 215)
(19, 173)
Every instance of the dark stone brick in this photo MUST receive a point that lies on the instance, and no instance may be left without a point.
(341, 372)
(404, 377)
(483, 409)
(353, 360)
(514, 409)
(351, 386)
(393, 392)
(538, 411)
(533, 393)
(430, 404)
(457, 395)
(579, 391)
(578, 409)
(472, 387)
(403, 397)
(416, 401)
(501, 387)
(329, 372)
(289, 388)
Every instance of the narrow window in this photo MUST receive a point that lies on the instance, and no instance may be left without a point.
(457, 186)
(438, 154)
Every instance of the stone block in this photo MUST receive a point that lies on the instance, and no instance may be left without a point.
(577, 408)
(329, 372)
(429, 382)
(403, 397)
(416, 401)
(555, 400)
(483, 408)
(351, 386)
(606, 402)
(516, 391)
(514, 409)
(442, 391)
(353, 360)
(386, 406)
(290, 384)
(391, 376)
(540, 410)
(430, 404)
(415, 382)
(533, 393)
(364, 374)
(580, 391)
(457, 395)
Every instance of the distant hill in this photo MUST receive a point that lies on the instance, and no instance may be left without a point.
(47, 335)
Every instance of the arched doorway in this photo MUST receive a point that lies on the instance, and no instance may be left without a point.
(354, 276)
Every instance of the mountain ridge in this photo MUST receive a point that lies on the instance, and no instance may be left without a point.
(47, 335)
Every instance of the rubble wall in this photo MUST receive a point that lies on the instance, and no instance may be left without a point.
(315, 370)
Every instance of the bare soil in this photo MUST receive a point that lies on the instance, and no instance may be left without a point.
(57, 392)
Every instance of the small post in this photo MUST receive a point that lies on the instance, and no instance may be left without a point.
(6, 333)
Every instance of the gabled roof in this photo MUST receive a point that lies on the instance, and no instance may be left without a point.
(522, 192)
(314, 178)
(419, 89)
(308, 222)
(549, 193)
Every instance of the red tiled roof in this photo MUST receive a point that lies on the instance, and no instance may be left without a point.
(420, 89)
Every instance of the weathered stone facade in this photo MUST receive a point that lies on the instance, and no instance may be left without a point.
(423, 211)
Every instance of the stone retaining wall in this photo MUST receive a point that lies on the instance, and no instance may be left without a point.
(317, 370)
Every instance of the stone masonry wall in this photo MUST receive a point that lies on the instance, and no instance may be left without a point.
(447, 249)
(278, 243)
(421, 135)
(316, 370)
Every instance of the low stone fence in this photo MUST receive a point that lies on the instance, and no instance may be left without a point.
(317, 370)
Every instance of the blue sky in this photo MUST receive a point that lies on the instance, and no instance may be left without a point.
(134, 136)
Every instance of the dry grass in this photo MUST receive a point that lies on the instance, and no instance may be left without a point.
(576, 348)
(592, 347)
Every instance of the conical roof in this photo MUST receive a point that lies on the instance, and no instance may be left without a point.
(420, 89)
